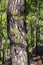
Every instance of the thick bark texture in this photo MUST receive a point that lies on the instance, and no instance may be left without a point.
(17, 32)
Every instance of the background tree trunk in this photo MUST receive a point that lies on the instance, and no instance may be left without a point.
(37, 27)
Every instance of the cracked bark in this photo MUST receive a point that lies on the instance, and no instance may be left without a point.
(17, 32)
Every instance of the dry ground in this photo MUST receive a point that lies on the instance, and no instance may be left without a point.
(33, 59)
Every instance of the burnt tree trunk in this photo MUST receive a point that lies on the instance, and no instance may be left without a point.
(17, 32)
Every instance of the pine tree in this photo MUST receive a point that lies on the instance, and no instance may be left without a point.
(17, 32)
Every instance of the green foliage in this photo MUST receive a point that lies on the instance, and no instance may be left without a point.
(3, 5)
(14, 12)
(31, 18)
(16, 18)
(3, 28)
(22, 17)
(15, 31)
(17, 40)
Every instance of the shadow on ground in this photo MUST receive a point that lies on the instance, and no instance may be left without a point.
(37, 59)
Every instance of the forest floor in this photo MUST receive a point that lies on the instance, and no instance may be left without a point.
(33, 59)
(36, 60)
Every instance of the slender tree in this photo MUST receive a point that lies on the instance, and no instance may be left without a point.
(37, 26)
(16, 31)
(0, 37)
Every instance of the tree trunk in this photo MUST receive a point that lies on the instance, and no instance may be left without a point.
(37, 27)
(17, 32)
